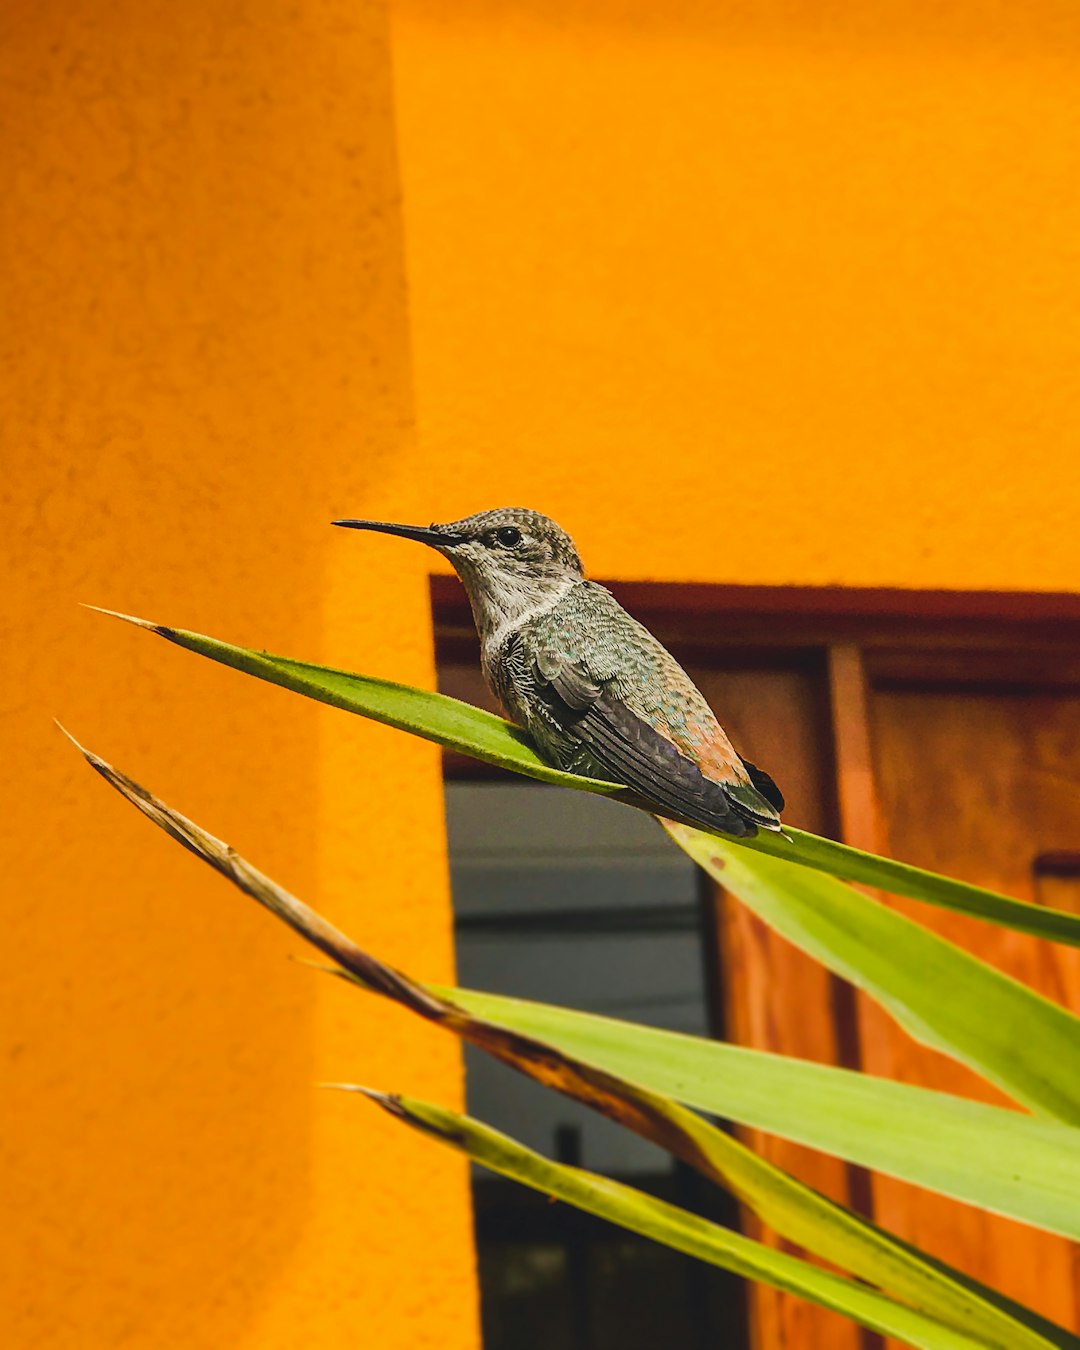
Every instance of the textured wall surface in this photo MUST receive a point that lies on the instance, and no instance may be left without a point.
(205, 360)
(780, 292)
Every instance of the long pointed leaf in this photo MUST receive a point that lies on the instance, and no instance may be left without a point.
(792, 1208)
(674, 1227)
(472, 731)
(943, 996)
(1013, 1164)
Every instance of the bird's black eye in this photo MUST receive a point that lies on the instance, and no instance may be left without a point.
(509, 536)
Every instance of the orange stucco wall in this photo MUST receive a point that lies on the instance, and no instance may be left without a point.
(205, 360)
(763, 294)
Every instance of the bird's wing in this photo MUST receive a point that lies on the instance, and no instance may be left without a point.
(636, 753)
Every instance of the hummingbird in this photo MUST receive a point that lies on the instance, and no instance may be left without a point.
(595, 691)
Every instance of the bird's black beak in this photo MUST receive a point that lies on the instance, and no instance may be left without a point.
(423, 534)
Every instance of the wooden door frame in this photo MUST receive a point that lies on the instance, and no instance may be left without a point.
(865, 637)
(856, 641)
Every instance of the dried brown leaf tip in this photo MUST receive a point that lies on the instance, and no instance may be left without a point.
(367, 969)
(130, 618)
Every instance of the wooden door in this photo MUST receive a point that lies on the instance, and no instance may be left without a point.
(972, 777)
(983, 783)
(944, 730)
(775, 997)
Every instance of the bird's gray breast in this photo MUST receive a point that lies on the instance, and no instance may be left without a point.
(582, 629)
(511, 672)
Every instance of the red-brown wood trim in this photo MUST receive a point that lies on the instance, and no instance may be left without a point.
(861, 823)
(862, 602)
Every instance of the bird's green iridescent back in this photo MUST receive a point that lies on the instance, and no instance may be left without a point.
(589, 631)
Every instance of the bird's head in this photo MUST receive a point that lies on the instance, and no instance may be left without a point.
(511, 560)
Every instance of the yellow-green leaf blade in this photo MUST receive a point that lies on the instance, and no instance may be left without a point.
(472, 731)
(685, 1232)
(1017, 1165)
(939, 993)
